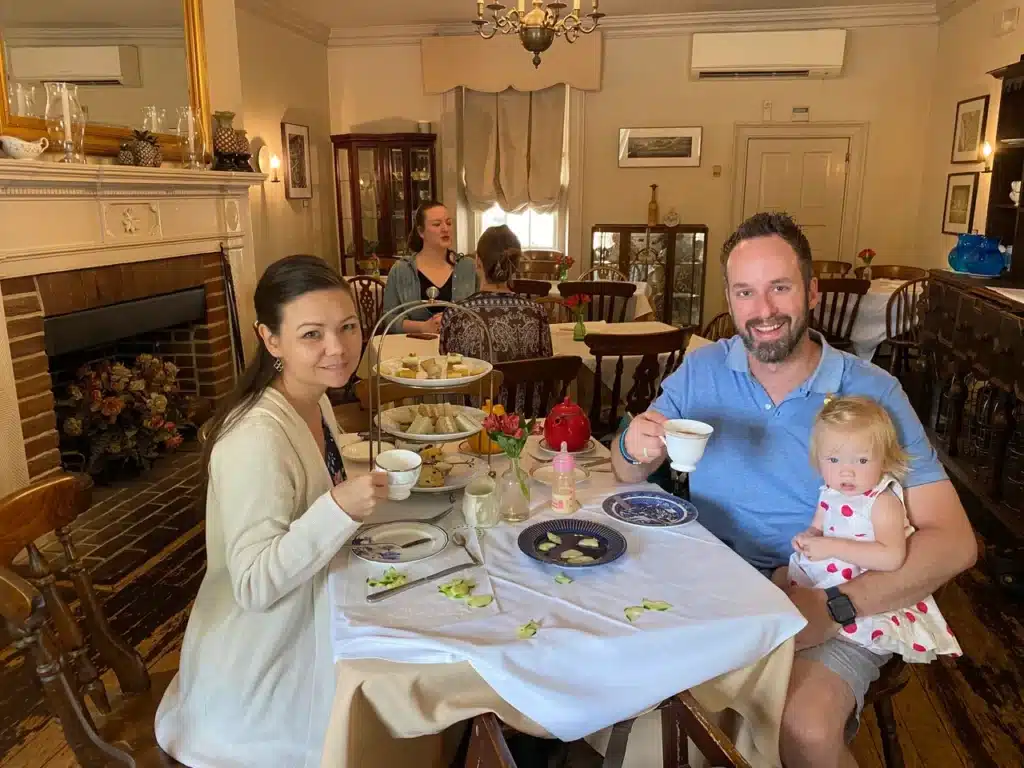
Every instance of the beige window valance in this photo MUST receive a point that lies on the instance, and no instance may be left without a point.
(512, 148)
(492, 66)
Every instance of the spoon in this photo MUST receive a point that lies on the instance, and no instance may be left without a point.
(460, 541)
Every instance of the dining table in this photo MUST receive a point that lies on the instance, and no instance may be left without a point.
(414, 666)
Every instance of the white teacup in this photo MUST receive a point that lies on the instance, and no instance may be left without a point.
(685, 440)
(480, 503)
(403, 470)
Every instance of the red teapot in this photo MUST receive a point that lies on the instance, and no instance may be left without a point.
(567, 423)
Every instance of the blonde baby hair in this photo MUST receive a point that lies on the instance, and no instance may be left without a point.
(856, 413)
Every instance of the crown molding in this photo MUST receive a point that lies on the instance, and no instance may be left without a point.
(667, 24)
(952, 7)
(283, 15)
(97, 35)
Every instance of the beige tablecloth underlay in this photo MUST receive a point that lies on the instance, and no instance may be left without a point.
(394, 715)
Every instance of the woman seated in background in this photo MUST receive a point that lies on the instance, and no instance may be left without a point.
(432, 265)
(518, 326)
(256, 677)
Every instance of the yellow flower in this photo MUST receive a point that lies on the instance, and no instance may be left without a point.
(137, 385)
(120, 371)
(158, 403)
(73, 427)
(75, 392)
(171, 369)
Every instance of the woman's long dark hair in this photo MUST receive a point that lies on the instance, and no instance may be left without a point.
(499, 252)
(419, 221)
(281, 283)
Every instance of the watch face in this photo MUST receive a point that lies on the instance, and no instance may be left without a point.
(841, 609)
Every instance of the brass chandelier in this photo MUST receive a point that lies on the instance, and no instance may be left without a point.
(538, 27)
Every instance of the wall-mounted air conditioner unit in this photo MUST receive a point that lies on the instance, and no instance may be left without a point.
(812, 53)
(80, 64)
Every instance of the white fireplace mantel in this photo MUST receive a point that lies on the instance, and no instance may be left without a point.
(57, 217)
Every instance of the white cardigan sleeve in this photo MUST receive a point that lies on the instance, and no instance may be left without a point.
(272, 546)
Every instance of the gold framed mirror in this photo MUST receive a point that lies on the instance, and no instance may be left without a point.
(134, 63)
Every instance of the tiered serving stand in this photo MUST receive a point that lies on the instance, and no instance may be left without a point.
(376, 414)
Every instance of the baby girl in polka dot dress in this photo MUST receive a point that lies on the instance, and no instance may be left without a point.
(860, 525)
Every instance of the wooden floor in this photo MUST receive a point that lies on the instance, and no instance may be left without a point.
(967, 713)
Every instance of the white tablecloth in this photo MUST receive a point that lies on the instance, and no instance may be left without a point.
(869, 329)
(588, 667)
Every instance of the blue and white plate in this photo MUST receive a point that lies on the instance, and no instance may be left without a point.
(650, 509)
(566, 536)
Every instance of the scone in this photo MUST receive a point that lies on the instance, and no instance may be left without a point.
(431, 477)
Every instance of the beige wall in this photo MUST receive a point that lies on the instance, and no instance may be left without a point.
(379, 89)
(885, 83)
(968, 50)
(284, 78)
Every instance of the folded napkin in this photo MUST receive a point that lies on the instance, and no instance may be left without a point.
(423, 608)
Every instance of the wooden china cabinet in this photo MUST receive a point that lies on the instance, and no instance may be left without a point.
(381, 179)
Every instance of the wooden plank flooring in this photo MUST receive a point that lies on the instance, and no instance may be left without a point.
(967, 713)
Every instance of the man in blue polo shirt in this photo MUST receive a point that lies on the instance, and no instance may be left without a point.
(755, 486)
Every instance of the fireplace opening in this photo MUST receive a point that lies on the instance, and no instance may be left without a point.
(125, 383)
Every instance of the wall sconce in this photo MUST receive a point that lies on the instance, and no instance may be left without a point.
(986, 153)
(275, 163)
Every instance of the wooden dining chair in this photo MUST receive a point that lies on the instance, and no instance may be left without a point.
(604, 272)
(892, 678)
(487, 746)
(547, 379)
(556, 309)
(539, 264)
(61, 655)
(683, 719)
(531, 289)
(823, 269)
(891, 272)
(608, 300)
(837, 309)
(369, 293)
(647, 377)
(904, 317)
(720, 327)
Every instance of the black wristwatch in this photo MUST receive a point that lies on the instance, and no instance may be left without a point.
(840, 607)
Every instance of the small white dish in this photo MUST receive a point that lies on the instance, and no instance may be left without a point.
(464, 469)
(403, 470)
(389, 371)
(397, 534)
(545, 474)
(356, 456)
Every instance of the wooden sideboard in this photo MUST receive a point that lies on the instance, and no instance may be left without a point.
(969, 390)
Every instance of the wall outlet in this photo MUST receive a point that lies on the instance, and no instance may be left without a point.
(716, 171)
(801, 114)
(766, 111)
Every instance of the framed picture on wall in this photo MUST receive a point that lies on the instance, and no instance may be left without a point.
(969, 130)
(961, 193)
(298, 181)
(659, 147)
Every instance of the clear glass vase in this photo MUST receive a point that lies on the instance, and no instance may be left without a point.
(65, 121)
(515, 493)
(190, 139)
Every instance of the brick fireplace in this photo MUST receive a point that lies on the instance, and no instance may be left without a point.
(202, 350)
(82, 238)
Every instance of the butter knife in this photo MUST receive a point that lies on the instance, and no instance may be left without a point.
(376, 597)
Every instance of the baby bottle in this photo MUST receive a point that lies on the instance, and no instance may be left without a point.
(563, 486)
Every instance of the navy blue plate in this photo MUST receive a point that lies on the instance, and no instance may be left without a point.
(650, 509)
(611, 544)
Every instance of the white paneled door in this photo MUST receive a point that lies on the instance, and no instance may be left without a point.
(805, 177)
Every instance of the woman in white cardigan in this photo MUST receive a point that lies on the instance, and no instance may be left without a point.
(256, 679)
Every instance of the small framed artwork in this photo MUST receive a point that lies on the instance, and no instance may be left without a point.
(961, 193)
(298, 183)
(659, 147)
(969, 130)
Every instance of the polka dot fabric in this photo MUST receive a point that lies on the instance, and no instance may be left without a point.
(918, 633)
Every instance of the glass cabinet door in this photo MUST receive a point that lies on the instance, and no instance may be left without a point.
(420, 175)
(688, 282)
(341, 163)
(367, 164)
(396, 198)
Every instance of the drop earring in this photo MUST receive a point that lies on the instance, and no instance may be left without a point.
(278, 364)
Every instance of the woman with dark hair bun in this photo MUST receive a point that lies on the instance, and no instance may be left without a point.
(432, 264)
(256, 678)
(518, 326)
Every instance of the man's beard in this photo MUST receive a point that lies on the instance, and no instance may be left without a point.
(780, 349)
